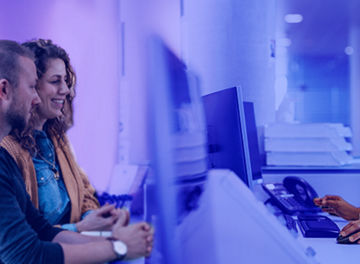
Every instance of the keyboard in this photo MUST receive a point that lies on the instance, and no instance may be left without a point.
(317, 226)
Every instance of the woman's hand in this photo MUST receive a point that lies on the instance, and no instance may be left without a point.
(351, 228)
(102, 219)
(336, 205)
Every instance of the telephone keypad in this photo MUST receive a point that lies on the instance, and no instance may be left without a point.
(284, 199)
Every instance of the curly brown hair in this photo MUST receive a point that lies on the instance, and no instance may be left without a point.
(45, 50)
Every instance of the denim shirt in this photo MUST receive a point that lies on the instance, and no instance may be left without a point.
(54, 201)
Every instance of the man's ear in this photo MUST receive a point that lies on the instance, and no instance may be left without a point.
(5, 89)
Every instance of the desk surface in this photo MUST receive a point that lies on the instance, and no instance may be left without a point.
(328, 251)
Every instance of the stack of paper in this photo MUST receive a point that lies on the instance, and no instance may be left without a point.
(316, 144)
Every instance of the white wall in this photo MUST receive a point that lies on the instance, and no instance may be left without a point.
(354, 89)
(87, 30)
(141, 18)
(228, 43)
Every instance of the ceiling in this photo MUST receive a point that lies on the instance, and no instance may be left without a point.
(325, 28)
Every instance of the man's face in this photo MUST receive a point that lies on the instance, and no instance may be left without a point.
(24, 96)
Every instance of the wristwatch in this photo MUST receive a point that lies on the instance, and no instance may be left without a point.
(119, 248)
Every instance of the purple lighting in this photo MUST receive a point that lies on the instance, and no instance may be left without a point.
(87, 30)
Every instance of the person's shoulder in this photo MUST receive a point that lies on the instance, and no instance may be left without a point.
(8, 166)
(15, 150)
(60, 141)
(4, 154)
(6, 157)
(6, 161)
(66, 140)
(11, 145)
(9, 139)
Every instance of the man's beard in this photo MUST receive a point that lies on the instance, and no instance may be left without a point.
(15, 119)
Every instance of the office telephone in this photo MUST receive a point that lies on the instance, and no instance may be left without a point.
(293, 195)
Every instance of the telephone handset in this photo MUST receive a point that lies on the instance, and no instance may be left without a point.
(294, 195)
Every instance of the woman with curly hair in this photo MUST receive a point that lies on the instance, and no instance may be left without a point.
(56, 184)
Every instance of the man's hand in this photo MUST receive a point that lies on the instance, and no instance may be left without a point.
(137, 237)
(336, 205)
(101, 219)
(351, 228)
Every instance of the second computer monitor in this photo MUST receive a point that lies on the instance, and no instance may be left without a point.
(232, 134)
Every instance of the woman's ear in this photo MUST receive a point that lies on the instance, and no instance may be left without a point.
(4, 89)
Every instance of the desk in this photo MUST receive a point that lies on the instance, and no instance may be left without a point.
(328, 251)
(233, 226)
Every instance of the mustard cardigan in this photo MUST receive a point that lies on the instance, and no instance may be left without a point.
(80, 191)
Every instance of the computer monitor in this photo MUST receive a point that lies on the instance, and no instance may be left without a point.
(253, 142)
(178, 153)
(232, 134)
(227, 225)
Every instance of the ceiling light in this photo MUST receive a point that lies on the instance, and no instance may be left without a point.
(293, 18)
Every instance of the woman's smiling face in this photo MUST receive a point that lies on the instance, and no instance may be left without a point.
(52, 90)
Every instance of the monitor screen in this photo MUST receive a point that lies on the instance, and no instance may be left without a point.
(232, 134)
(178, 154)
(253, 143)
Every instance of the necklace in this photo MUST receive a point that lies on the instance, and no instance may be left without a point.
(53, 167)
